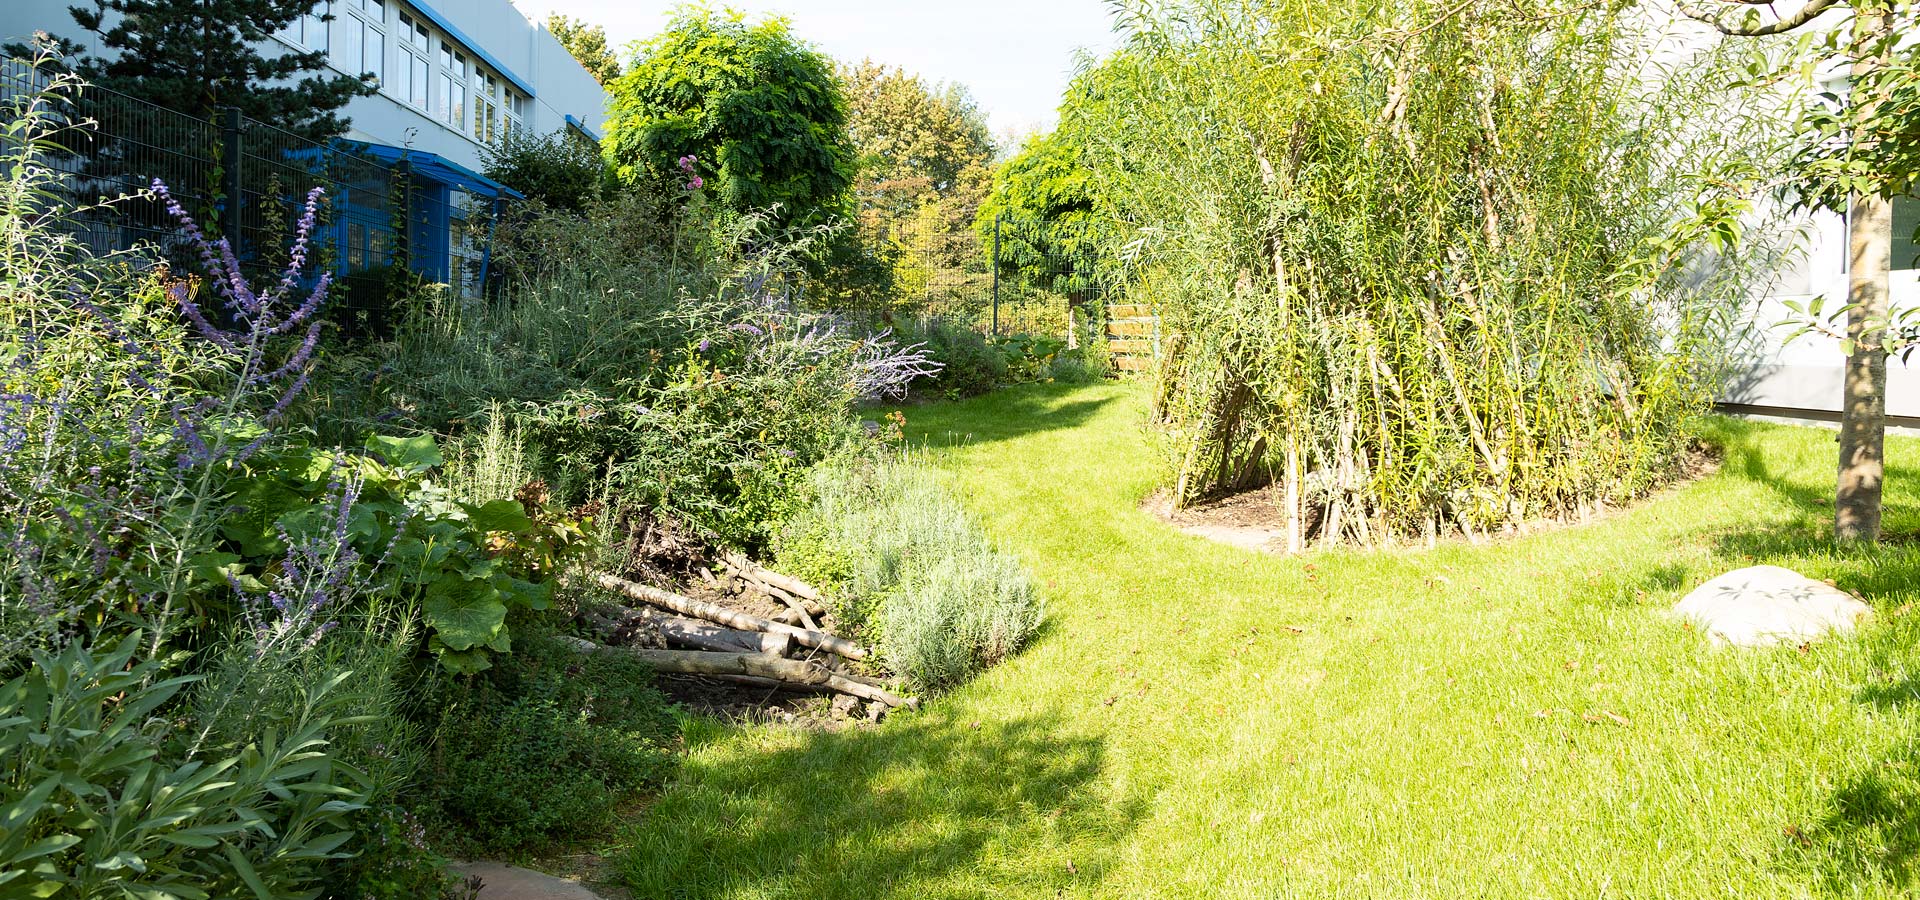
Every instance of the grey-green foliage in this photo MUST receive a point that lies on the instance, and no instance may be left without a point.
(99, 800)
(1418, 257)
(252, 684)
(912, 572)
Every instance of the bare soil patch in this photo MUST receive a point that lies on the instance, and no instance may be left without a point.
(1256, 520)
(1251, 520)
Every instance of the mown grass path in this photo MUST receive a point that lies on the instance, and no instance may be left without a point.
(1514, 720)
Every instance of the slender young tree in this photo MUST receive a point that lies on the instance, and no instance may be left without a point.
(1851, 164)
(195, 56)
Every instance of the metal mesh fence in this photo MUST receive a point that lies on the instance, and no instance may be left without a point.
(248, 181)
(998, 278)
(111, 147)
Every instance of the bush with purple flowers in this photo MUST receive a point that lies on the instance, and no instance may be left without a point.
(669, 366)
(159, 497)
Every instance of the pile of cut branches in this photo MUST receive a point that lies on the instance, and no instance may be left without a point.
(788, 651)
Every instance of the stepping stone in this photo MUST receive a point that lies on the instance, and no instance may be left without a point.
(504, 882)
(1764, 605)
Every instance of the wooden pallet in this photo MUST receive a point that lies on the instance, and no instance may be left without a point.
(1133, 338)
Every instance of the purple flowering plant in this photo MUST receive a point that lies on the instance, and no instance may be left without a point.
(152, 476)
(131, 410)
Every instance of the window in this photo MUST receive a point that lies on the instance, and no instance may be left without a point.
(415, 34)
(356, 246)
(410, 78)
(486, 105)
(310, 30)
(375, 55)
(443, 94)
(452, 87)
(518, 106)
(360, 41)
(1906, 218)
(378, 252)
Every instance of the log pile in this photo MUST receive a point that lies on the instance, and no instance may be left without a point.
(674, 633)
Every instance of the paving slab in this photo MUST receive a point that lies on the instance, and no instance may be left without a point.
(504, 882)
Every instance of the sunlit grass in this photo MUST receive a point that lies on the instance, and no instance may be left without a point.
(1512, 720)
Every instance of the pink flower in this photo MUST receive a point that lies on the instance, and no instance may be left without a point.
(696, 183)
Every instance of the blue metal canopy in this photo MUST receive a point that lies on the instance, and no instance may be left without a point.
(435, 167)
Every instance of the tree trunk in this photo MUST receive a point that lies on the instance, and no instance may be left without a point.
(1863, 411)
(1863, 404)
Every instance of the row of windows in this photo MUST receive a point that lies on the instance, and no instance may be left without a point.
(447, 85)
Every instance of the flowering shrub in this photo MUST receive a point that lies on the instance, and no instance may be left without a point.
(670, 368)
(122, 437)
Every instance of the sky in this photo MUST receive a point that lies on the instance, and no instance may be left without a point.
(1016, 56)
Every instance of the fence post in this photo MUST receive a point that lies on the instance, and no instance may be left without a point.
(996, 273)
(230, 157)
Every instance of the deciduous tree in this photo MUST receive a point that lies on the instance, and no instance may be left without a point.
(1861, 149)
(924, 157)
(588, 44)
(760, 112)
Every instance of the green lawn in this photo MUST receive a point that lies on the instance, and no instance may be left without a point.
(1445, 725)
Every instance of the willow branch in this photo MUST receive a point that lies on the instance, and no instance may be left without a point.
(1785, 24)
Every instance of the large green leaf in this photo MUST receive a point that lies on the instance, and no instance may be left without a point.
(411, 454)
(464, 614)
(500, 515)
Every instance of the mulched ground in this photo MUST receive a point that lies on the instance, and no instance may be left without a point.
(1256, 520)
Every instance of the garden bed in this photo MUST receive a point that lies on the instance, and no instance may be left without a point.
(1256, 519)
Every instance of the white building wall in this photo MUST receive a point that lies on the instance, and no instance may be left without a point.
(1805, 375)
(482, 30)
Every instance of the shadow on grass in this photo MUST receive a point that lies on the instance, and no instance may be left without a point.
(1745, 446)
(919, 807)
(1869, 831)
(1863, 838)
(1004, 415)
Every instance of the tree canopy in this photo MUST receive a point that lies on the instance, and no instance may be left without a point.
(588, 44)
(760, 112)
(1045, 192)
(915, 141)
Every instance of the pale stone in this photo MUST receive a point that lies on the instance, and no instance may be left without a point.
(504, 882)
(1770, 605)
